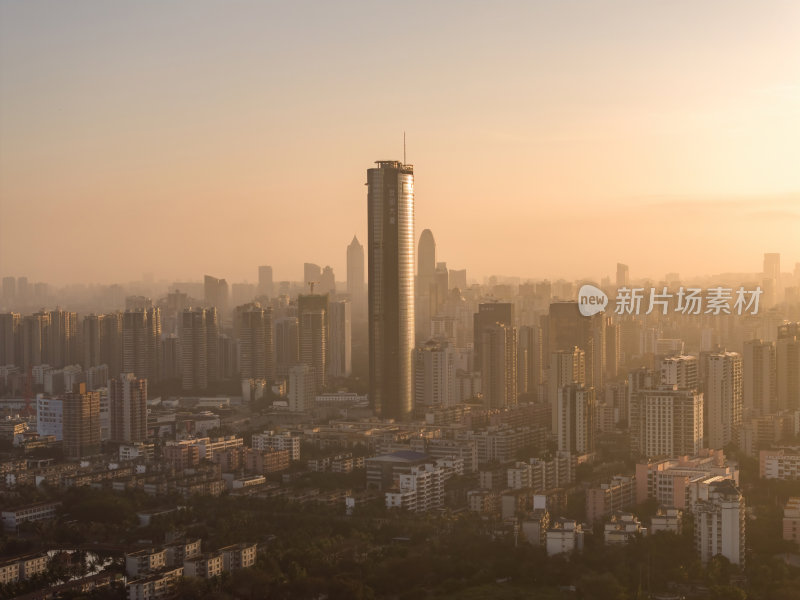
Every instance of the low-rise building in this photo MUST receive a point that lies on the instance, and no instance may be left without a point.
(608, 498)
(791, 520)
(204, 566)
(780, 463)
(622, 528)
(667, 519)
(155, 586)
(145, 561)
(238, 556)
(564, 536)
(277, 441)
(41, 511)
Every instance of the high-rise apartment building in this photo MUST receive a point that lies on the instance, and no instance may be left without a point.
(390, 199)
(215, 293)
(81, 423)
(128, 406)
(759, 381)
(566, 367)
(489, 313)
(287, 345)
(301, 388)
(141, 343)
(199, 343)
(575, 419)
(723, 396)
(680, 371)
(530, 360)
(499, 365)
(435, 374)
(568, 328)
(787, 371)
(340, 339)
(719, 521)
(312, 316)
(11, 339)
(670, 421)
(253, 332)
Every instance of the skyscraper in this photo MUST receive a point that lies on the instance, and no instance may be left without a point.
(355, 276)
(390, 200)
(81, 423)
(758, 378)
(287, 345)
(623, 275)
(723, 395)
(265, 280)
(194, 349)
(312, 316)
(216, 295)
(566, 367)
(423, 290)
(787, 354)
(488, 314)
(128, 402)
(141, 343)
(499, 365)
(340, 344)
(253, 331)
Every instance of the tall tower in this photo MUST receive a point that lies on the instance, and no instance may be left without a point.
(265, 280)
(424, 297)
(312, 316)
(390, 199)
(355, 276)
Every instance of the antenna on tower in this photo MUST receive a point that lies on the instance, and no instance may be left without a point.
(404, 147)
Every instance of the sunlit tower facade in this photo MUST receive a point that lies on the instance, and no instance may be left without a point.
(390, 200)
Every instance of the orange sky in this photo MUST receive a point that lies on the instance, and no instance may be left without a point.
(549, 138)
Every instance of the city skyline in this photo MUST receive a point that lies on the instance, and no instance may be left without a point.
(570, 150)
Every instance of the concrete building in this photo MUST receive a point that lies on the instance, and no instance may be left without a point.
(127, 397)
(667, 519)
(787, 356)
(564, 537)
(253, 332)
(498, 365)
(270, 440)
(81, 423)
(340, 339)
(719, 522)
(670, 421)
(680, 371)
(622, 528)
(791, 520)
(759, 381)
(435, 374)
(780, 463)
(575, 411)
(723, 397)
(611, 497)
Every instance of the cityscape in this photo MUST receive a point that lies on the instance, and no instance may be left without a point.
(190, 408)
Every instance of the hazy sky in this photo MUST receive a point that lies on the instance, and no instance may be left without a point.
(549, 138)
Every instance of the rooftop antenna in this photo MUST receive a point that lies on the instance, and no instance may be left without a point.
(404, 147)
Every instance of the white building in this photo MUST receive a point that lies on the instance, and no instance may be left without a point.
(575, 413)
(302, 388)
(564, 536)
(49, 416)
(269, 440)
(672, 421)
(667, 519)
(622, 528)
(435, 374)
(719, 522)
(680, 371)
(422, 488)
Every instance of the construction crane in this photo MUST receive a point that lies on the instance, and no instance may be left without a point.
(312, 284)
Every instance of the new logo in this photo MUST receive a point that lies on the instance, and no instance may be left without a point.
(591, 300)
